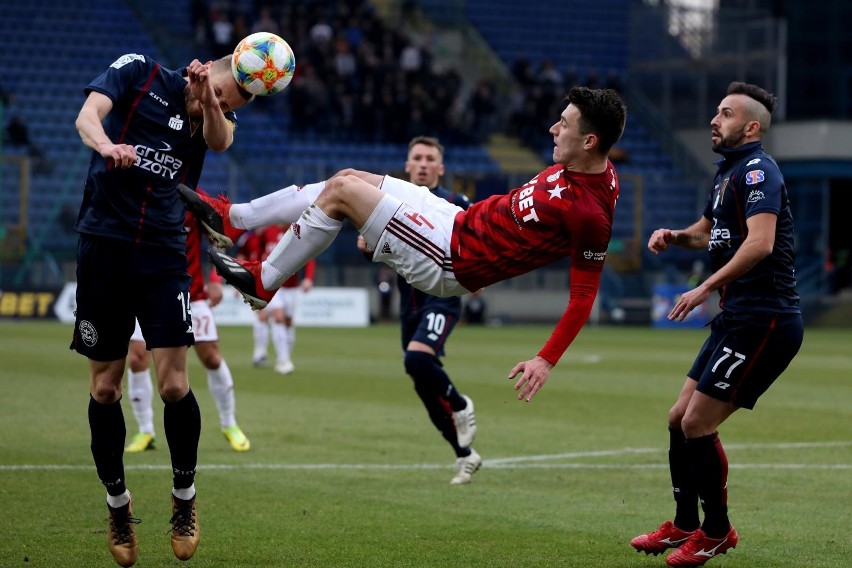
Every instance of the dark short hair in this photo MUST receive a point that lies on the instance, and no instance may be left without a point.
(603, 112)
(427, 141)
(762, 96)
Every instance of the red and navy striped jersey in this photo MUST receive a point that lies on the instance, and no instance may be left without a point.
(557, 214)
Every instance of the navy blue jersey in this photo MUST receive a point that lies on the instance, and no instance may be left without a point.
(749, 182)
(141, 203)
(413, 301)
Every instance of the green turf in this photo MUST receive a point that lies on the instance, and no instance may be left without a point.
(346, 470)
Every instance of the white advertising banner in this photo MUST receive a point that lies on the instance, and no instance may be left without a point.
(321, 307)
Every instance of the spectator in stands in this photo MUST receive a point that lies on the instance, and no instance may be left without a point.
(356, 73)
(483, 108)
(522, 71)
(747, 229)
(221, 32)
(265, 22)
(17, 135)
(548, 74)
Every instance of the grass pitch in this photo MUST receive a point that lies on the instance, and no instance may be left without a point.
(346, 469)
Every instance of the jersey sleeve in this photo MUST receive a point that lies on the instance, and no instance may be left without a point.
(764, 186)
(583, 290)
(591, 241)
(124, 73)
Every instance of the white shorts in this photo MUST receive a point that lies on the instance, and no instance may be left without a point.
(203, 324)
(284, 300)
(410, 231)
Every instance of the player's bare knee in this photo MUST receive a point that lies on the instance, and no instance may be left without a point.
(106, 392)
(676, 417)
(173, 391)
(333, 198)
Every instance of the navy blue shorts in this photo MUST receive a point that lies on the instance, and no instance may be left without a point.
(743, 357)
(429, 326)
(118, 282)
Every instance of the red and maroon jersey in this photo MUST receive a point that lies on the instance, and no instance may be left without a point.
(260, 244)
(557, 214)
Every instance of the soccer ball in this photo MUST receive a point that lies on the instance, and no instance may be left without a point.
(263, 64)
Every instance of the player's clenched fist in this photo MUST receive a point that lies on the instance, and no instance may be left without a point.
(660, 240)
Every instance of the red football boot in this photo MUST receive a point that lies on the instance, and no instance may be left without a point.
(665, 537)
(244, 275)
(700, 548)
(212, 212)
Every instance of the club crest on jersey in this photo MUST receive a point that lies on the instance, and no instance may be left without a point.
(754, 176)
(176, 122)
(721, 195)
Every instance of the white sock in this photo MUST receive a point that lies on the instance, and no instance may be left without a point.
(291, 337)
(184, 494)
(221, 385)
(116, 501)
(261, 339)
(141, 392)
(282, 206)
(316, 232)
(279, 339)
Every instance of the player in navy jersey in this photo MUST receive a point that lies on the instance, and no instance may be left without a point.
(442, 249)
(426, 323)
(747, 229)
(149, 129)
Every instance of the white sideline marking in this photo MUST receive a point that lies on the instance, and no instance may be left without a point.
(524, 462)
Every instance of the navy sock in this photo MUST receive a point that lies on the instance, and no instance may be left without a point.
(182, 424)
(683, 484)
(437, 393)
(710, 470)
(106, 422)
